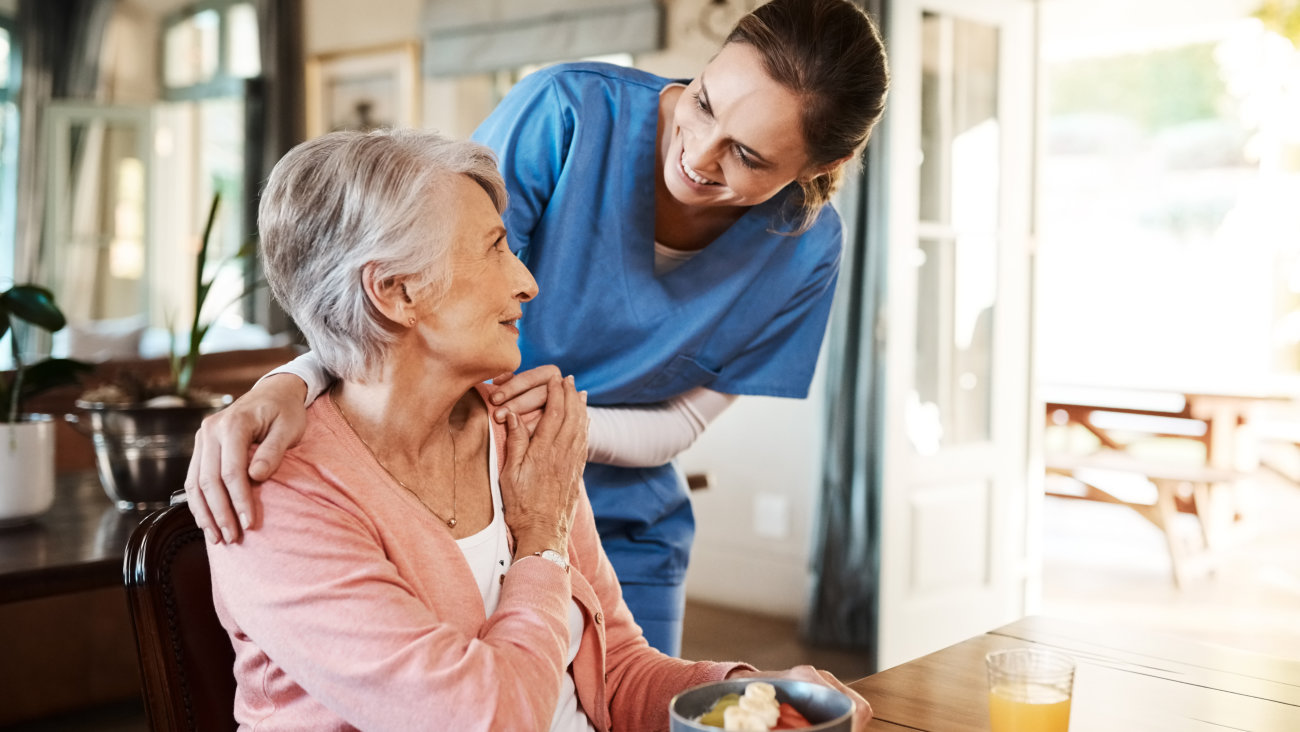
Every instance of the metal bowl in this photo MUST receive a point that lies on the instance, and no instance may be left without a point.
(143, 453)
(828, 709)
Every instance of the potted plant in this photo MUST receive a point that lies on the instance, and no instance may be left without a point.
(143, 429)
(27, 446)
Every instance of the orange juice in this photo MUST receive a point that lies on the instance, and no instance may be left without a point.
(1029, 708)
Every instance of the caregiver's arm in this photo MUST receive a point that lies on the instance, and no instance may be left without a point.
(645, 436)
(639, 436)
(272, 415)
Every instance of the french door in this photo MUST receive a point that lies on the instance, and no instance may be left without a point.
(957, 509)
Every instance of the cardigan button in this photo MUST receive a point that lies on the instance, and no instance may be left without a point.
(600, 617)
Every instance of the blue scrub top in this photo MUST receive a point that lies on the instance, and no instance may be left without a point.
(577, 145)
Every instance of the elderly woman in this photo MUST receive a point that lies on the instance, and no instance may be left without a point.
(422, 567)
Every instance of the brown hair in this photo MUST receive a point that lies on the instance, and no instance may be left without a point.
(829, 53)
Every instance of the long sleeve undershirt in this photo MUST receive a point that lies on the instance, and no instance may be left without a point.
(645, 436)
(639, 436)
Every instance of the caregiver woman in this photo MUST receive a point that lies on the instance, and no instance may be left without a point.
(683, 238)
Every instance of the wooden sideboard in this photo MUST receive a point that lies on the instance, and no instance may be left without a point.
(64, 625)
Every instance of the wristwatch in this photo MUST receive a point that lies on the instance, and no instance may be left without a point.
(553, 557)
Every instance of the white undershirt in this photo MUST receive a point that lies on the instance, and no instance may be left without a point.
(488, 554)
(488, 550)
(668, 259)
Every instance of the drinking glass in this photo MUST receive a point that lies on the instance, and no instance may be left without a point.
(1030, 690)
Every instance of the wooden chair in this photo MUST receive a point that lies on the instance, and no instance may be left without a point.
(186, 660)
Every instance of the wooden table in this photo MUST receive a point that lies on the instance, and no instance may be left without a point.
(1125, 680)
(1218, 419)
(77, 546)
(64, 628)
(1121, 418)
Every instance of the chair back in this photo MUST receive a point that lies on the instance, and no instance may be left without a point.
(186, 660)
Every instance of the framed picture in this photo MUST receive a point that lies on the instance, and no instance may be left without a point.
(363, 89)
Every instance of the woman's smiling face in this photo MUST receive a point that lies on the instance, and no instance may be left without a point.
(474, 324)
(737, 135)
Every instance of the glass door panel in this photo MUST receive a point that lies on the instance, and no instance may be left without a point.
(957, 261)
(954, 509)
(956, 296)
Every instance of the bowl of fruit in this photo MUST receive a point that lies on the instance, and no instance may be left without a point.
(760, 704)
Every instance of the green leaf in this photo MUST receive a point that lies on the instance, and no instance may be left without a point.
(249, 249)
(35, 305)
(202, 293)
(183, 364)
(203, 331)
(51, 373)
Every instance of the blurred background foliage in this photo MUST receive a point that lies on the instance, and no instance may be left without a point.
(1282, 17)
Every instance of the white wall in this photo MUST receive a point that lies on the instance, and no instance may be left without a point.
(336, 25)
(694, 30)
(754, 523)
(763, 453)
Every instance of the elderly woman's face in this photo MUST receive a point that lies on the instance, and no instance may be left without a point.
(475, 324)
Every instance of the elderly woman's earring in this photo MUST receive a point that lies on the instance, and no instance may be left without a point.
(410, 322)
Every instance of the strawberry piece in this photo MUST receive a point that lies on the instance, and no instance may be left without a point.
(790, 718)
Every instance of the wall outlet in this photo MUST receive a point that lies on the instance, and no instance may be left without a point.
(771, 516)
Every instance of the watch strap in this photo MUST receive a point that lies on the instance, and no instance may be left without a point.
(554, 557)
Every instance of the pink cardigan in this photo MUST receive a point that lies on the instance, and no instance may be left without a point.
(353, 608)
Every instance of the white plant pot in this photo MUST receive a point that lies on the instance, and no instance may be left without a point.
(26, 470)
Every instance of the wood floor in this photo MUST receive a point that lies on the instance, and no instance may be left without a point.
(1105, 564)
(715, 633)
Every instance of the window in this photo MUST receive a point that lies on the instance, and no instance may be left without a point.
(209, 51)
(1170, 170)
(9, 78)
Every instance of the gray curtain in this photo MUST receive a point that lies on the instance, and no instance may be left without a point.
(61, 42)
(280, 32)
(274, 123)
(844, 608)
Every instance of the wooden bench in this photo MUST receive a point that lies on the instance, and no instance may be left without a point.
(1203, 491)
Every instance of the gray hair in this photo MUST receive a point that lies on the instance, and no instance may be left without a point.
(340, 201)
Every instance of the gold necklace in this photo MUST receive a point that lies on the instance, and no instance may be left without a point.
(451, 522)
